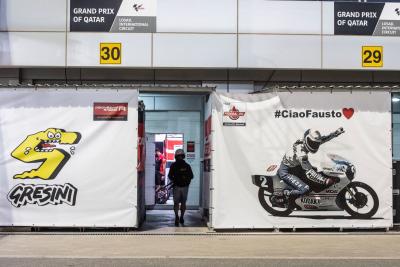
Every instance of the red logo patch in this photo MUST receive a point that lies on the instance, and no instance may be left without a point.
(234, 113)
(271, 168)
(348, 112)
(110, 111)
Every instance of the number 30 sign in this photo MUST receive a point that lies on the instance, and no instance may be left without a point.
(110, 53)
(372, 56)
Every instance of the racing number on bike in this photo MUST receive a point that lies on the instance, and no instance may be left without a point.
(110, 53)
(264, 182)
(372, 56)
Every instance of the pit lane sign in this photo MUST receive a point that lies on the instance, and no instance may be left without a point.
(355, 18)
(110, 53)
(372, 56)
(113, 16)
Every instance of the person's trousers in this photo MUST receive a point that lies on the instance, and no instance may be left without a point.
(298, 187)
(180, 194)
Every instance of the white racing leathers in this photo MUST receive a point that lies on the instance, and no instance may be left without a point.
(298, 157)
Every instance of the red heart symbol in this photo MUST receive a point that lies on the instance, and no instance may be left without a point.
(348, 112)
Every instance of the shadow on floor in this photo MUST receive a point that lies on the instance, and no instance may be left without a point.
(164, 221)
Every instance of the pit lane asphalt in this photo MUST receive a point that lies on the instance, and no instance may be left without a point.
(159, 243)
(273, 249)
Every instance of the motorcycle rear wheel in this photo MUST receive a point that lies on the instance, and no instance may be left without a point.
(267, 205)
(346, 205)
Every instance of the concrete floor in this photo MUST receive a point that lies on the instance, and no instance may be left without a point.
(163, 221)
(273, 249)
(160, 243)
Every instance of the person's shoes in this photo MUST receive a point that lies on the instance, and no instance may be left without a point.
(176, 221)
(181, 220)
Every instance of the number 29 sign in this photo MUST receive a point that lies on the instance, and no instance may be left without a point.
(110, 53)
(372, 56)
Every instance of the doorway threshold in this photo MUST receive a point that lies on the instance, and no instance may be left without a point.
(168, 207)
(163, 221)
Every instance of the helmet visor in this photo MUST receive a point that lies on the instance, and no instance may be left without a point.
(312, 145)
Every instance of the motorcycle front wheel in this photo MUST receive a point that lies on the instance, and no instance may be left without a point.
(360, 200)
(265, 199)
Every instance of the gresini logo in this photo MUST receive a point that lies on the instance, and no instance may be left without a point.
(285, 113)
(234, 113)
(41, 195)
(44, 147)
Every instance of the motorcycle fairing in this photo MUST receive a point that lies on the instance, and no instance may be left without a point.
(325, 199)
(263, 181)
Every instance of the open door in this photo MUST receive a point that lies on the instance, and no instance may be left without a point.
(206, 202)
(150, 170)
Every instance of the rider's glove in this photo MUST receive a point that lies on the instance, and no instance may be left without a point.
(338, 132)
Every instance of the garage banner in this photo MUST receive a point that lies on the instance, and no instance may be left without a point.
(68, 158)
(380, 19)
(302, 160)
(113, 15)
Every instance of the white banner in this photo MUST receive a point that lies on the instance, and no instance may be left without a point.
(350, 185)
(68, 158)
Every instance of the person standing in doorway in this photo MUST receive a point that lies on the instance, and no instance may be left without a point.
(180, 173)
(160, 169)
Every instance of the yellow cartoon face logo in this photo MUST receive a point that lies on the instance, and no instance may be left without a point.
(45, 147)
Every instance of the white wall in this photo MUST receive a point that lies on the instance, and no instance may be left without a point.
(223, 34)
(32, 49)
(84, 48)
(33, 15)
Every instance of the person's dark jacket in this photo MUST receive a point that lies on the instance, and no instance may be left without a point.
(180, 173)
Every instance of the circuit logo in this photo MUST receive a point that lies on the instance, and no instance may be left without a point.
(138, 7)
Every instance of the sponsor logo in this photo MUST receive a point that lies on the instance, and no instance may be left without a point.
(311, 201)
(310, 207)
(41, 195)
(315, 177)
(332, 114)
(234, 113)
(397, 10)
(44, 147)
(331, 191)
(110, 111)
(271, 168)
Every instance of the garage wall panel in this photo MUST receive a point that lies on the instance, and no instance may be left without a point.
(33, 15)
(195, 16)
(291, 17)
(32, 49)
(195, 50)
(328, 17)
(84, 49)
(279, 51)
(344, 52)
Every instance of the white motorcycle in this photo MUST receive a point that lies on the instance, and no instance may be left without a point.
(356, 198)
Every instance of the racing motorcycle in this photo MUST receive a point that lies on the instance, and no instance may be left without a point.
(356, 198)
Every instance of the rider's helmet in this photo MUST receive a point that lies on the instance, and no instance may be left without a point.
(179, 153)
(312, 140)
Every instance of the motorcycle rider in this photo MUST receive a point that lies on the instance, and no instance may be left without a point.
(298, 156)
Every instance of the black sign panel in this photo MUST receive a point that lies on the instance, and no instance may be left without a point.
(356, 18)
(93, 15)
